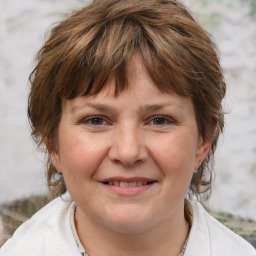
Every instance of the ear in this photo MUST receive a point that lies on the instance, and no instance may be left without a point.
(54, 155)
(202, 151)
(56, 161)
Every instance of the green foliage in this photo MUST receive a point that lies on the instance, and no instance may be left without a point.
(213, 20)
(251, 4)
(252, 7)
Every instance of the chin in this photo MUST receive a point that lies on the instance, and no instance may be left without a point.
(129, 228)
(130, 222)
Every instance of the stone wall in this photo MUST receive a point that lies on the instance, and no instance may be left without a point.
(15, 213)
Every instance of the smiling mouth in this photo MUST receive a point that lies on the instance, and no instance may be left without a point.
(123, 186)
(128, 184)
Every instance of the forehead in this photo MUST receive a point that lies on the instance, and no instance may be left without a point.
(141, 94)
(139, 84)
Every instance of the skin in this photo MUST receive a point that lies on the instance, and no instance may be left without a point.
(140, 134)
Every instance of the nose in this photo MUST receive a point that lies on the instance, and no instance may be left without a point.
(128, 147)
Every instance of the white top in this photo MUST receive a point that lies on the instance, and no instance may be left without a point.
(49, 233)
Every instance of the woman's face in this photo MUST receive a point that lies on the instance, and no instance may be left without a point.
(128, 161)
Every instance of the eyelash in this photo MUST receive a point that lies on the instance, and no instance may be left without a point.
(94, 118)
(163, 120)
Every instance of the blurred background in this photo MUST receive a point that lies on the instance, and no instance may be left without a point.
(23, 26)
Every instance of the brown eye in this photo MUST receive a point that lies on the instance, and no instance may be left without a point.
(160, 120)
(95, 120)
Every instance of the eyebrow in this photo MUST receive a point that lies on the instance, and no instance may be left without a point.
(99, 107)
(107, 108)
(154, 107)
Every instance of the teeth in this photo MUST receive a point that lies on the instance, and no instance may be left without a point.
(128, 184)
(124, 184)
(133, 184)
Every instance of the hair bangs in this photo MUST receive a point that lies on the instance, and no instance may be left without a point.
(89, 65)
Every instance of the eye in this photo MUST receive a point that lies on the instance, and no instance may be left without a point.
(95, 121)
(161, 120)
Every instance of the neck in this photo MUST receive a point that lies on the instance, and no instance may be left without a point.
(167, 238)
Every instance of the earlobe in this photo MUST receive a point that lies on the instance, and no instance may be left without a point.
(56, 161)
(203, 149)
(54, 156)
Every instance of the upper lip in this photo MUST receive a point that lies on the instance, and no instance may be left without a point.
(125, 179)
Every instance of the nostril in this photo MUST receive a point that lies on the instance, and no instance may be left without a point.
(127, 152)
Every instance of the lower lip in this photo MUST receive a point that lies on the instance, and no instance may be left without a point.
(128, 191)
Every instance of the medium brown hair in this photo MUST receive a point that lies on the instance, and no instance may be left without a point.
(97, 42)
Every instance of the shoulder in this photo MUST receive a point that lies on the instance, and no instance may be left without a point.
(47, 230)
(215, 237)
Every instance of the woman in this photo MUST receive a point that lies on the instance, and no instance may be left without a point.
(126, 97)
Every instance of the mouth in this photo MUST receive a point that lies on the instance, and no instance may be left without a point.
(128, 184)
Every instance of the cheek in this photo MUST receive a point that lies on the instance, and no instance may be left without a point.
(175, 153)
(80, 155)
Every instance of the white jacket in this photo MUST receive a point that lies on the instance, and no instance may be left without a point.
(49, 233)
